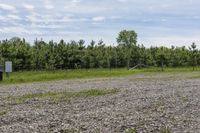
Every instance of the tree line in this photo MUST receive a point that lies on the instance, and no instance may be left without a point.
(52, 55)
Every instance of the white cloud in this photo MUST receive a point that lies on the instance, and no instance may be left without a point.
(28, 6)
(2, 18)
(14, 17)
(20, 31)
(48, 5)
(115, 17)
(168, 41)
(76, 1)
(13, 30)
(163, 20)
(35, 18)
(8, 7)
(10, 18)
(123, 0)
(105, 18)
(98, 18)
(72, 4)
(82, 7)
(53, 26)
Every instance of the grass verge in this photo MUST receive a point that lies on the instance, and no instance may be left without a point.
(60, 96)
(41, 76)
(195, 77)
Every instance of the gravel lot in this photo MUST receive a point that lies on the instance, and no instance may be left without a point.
(148, 103)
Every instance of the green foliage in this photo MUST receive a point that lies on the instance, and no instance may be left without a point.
(193, 55)
(127, 41)
(75, 55)
(127, 38)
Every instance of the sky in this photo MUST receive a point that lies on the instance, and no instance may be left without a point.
(157, 22)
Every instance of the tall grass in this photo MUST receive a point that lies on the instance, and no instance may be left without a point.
(40, 76)
(35, 76)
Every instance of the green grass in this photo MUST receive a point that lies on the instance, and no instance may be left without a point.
(165, 130)
(2, 113)
(40, 76)
(132, 130)
(169, 69)
(195, 77)
(60, 96)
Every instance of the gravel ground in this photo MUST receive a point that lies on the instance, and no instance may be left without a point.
(148, 103)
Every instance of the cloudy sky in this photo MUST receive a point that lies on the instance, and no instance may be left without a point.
(157, 22)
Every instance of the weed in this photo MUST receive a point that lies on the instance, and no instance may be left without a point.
(69, 131)
(132, 130)
(165, 130)
(60, 96)
(2, 113)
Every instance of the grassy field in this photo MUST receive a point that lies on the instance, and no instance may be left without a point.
(39, 76)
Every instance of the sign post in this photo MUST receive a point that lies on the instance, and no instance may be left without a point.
(8, 68)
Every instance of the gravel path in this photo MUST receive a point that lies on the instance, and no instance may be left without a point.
(148, 103)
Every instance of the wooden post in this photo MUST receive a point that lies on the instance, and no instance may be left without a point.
(7, 75)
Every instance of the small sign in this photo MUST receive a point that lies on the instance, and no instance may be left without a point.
(8, 67)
